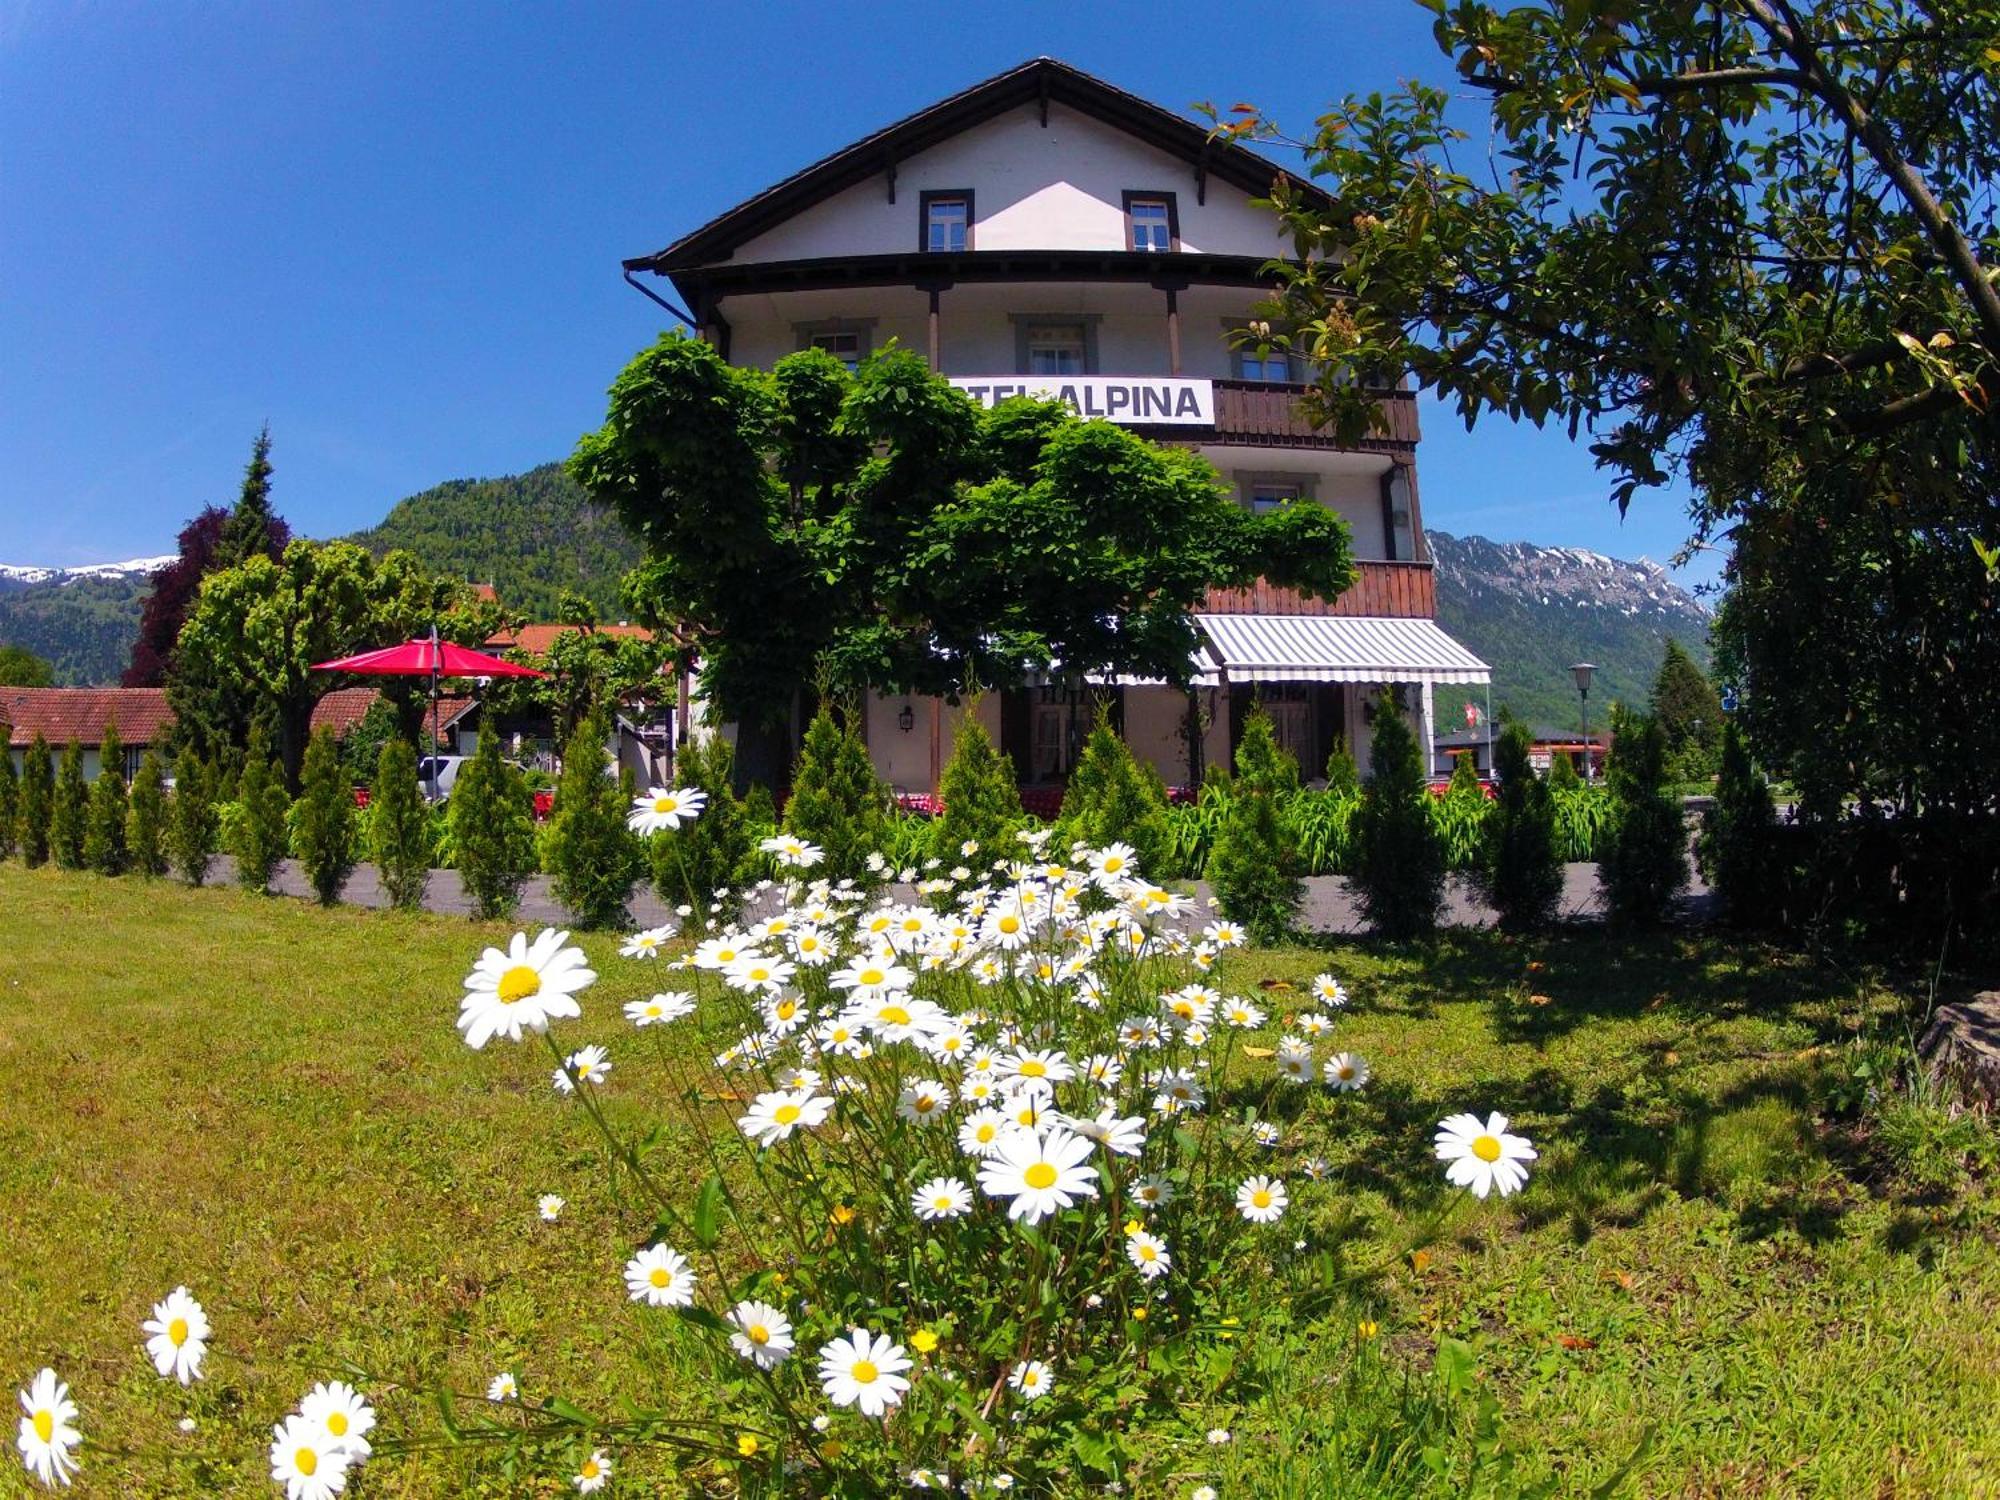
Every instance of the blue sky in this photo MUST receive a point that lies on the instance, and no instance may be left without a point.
(394, 231)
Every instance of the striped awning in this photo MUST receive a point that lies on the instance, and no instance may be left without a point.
(1326, 648)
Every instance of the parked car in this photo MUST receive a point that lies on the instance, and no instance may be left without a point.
(437, 773)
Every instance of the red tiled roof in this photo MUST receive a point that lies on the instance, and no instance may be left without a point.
(537, 639)
(343, 708)
(60, 715)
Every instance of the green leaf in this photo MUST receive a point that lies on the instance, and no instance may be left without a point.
(705, 1208)
(1455, 1365)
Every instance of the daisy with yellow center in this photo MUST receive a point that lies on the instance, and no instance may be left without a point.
(660, 1277)
(177, 1336)
(761, 1333)
(1482, 1155)
(48, 1437)
(523, 987)
(594, 1474)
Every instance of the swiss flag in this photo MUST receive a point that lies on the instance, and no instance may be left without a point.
(1471, 716)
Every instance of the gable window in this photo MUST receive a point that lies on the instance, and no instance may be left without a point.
(1152, 223)
(849, 340)
(1057, 349)
(947, 222)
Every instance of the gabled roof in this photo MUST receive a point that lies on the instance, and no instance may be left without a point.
(344, 708)
(60, 715)
(538, 639)
(1042, 81)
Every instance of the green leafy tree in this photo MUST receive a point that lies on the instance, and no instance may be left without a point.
(490, 823)
(982, 801)
(1523, 873)
(694, 864)
(146, 825)
(1399, 864)
(1690, 714)
(1254, 866)
(258, 836)
(192, 823)
(323, 821)
(104, 848)
(1112, 799)
(1643, 867)
(1736, 844)
(594, 858)
(880, 525)
(1342, 774)
(69, 814)
(38, 789)
(10, 796)
(838, 802)
(20, 667)
(399, 825)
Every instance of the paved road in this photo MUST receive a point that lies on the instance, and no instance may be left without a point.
(1329, 905)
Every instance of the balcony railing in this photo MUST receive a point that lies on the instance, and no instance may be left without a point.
(1268, 413)
(1399, 590)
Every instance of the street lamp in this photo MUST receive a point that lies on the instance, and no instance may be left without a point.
(1581, 672)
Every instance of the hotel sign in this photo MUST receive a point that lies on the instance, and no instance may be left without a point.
(1135, 400)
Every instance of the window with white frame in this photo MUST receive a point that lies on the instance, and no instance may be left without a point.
(1150, 221)
(947, 222)
(1057, 349)
(1266, 495)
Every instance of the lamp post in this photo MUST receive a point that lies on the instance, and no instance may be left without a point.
(1581, 672)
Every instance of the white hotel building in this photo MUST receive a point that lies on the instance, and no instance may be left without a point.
(1044, 229)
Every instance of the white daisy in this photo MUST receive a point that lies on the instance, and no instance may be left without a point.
(660, 1277)
(762, 1334)
(794, 854)
(755, 974)
(178, 1336)
(1120, 1135)
(308, 1463)
(523, 988)
(980, 1132)
(590, 1064)
(595, 1473)
(48, 1435)
(550, 1206)
(1149, 1253)
(864, 1370)
(1295, 1062)
(783, 1014)
(660, 1009)
(1262, 1200)
(1241, 1013)
(1483, 1156)
(924, 1102)
(774, 1116)
(1112, 865)
(665, 808)
(1345, 1072)
(872, 979)
(1036, 1070)
(1103, 1069)
(1042, 1172)
(941, 1198)
(1329, 991)
(1033, 1379)
(503, 1387)
(646, 944)
(339, 1410)
(1152, 1192)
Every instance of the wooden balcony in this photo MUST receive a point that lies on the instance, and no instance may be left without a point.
(1267, 414)
(1398, 590)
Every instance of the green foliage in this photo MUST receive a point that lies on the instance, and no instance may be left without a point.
(1192, 828)
(82, 627)
(1461, 817)
(69, 814)
(982, 801)
(837, 800)
(1322, 828)
(10, 796)
(1342, 774)
(1563, 775)
(37, 802)
(399, 825)
(361, 747)
(1254, 868)
(1399, 864)
(490, 827)
(1583, 819)
(323, 821)
(20, 667)
(1643, 867)
(104, 819)
(257, 837)
(1735, 848)
(717, 852)
(1113, 799)
(1690, 714)
(1523, 875)
(590, 671)
(192, 823)
(146, 827)
(880, 525)
(594, 858)
(252, 529)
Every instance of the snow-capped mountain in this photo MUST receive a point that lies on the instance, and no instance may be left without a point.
(21, 575)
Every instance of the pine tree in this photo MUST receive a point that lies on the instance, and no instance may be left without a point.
(1113, 799)
(10, 797)
(1523, 873)
(38, 790)
(1465, 775)
(258, 838)
(36, 803)
(1736, 844)
(1254, 866)
(982, 802)
(1644, 865)
(1562, 773)
(104, 818)
(1398, 859)
(191, 818)
(247, 532)
(69, 812)
(594, 858)
(837, 800)
(1689, 712)
(399, 826)
(323, 835)
(490, 824)
(696, 863)
(146, 825)
(1342, 774)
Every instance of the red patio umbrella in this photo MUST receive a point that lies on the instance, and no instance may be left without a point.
(430, 658)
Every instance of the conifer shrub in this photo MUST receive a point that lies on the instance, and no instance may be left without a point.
(1398, 861)
(399, 826)
(594, 858)
(38, 791)
(982, 801)
(323, 819)
(257, 836)
(69, 810)
(1643, 866)
(192, 823)
(1343, 776)
(716, 852)
(1736, 847)
(107, 810)
(10, 797)
(1113, 799)
(1522, 876)
(146, 823)
(837, 802)
(490, 826)
(1254, 867)
(1562, 774)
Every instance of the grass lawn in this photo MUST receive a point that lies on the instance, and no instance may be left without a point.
(268, 1102)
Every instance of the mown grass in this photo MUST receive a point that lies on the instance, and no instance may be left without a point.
(1707, 1282)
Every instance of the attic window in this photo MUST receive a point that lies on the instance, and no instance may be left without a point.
(1152, 223)
(947, 226)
